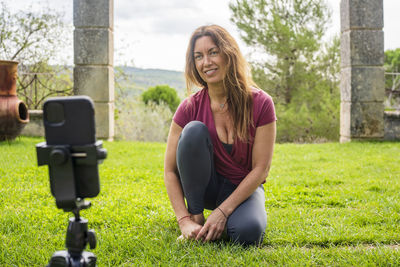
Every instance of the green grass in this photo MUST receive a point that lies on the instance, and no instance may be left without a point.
(328, 205)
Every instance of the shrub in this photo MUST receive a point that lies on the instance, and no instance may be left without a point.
(137, 121)
(162, 93)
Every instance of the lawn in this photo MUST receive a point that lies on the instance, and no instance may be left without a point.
(327, 204)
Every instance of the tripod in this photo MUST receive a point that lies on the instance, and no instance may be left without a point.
(78, 236)
(64, 163)
(72, 155)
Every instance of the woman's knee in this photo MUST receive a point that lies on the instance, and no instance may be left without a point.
(248, 231)
(194, 134)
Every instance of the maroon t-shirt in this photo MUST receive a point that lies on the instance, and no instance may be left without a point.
(236, 165)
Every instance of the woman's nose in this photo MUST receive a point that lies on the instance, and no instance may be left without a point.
(207, 60)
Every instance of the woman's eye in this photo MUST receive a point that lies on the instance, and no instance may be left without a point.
(197, 57)
(213, 53)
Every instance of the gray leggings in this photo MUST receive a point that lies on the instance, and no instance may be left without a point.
(203, 187)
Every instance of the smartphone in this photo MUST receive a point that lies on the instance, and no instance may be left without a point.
(70, 122)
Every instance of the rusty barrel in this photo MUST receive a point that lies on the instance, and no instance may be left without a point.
(13, 112)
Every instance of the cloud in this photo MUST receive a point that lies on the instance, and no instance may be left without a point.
(177, 21)
(176, 17)
(154, 33)
(125, 9)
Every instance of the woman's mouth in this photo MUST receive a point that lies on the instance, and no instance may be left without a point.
(210, 72)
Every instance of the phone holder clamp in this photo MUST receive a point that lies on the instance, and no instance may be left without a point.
(61, 160)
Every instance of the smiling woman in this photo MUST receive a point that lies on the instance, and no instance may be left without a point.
(141, 26)
(210, 64)
(220, 144)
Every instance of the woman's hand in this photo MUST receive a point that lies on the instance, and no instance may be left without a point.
(189, 228)
(213, 227)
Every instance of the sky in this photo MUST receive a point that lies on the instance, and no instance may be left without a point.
(155, 33)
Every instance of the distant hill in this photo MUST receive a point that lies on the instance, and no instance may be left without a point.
(142, 79)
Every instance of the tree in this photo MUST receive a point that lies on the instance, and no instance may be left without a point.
(392, 78)
(297, 68)
(392, 65)
(34, 39)
(162, 93)
(31, 37)
(392, 60)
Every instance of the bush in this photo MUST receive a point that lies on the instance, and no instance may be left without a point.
(162, 93)
(137, 121)
(301, 125)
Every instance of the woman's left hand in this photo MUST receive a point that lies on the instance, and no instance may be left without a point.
(213, 227)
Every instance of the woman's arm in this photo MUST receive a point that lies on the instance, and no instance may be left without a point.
(263, 149)
(188, 227)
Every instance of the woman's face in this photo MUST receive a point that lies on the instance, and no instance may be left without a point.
(209, 60)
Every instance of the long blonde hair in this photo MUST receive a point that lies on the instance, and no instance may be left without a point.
(237, 81)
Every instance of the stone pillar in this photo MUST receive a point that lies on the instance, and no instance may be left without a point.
(362, 75)
(93, 58)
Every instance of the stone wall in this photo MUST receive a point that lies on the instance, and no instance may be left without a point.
(35, 125)
(392, 125)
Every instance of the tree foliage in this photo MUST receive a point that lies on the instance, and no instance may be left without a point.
(162, 93)
(296, 67)
(34, 39)
(392, 60)
(392, 65)
(137, 121)
(392, 78)
(31, 37)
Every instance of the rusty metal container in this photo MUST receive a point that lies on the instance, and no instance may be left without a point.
(13, 112)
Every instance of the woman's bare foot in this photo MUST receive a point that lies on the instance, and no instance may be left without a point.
(198, 218)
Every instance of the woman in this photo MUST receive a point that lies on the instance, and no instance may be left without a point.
(220, 144)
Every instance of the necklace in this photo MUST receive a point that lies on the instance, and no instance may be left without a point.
(221, 106)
